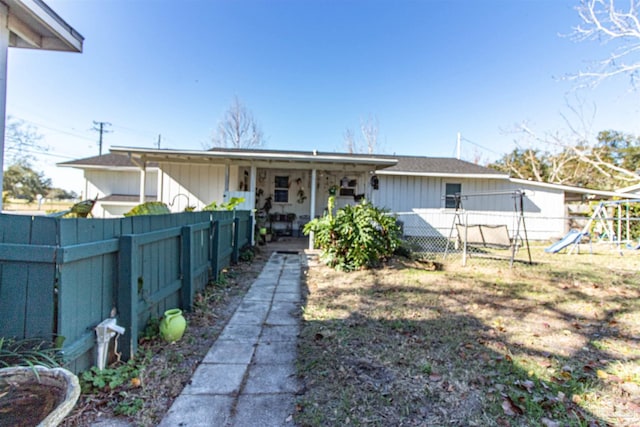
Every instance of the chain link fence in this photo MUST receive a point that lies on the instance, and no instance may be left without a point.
(467, 237)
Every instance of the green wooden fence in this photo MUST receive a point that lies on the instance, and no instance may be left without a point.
(61, 277)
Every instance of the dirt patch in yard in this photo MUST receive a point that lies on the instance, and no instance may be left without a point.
(552, 344)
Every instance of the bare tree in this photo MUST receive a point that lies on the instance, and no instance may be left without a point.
(368, 142)
(22, 142)
(238, 129)
(606, 22)
(575, 156)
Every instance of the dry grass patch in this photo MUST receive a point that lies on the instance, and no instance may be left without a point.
(554, 343)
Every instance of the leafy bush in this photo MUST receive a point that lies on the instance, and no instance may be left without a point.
(229, 206)
(356, 237)
(149, 208)
(28, 352)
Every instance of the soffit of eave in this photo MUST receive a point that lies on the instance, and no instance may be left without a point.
(327, 165)
(34, 25)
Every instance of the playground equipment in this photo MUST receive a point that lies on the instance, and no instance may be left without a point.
(607, 228)
(572, 237)
(489, 235)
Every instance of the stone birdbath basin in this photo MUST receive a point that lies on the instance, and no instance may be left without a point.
(36, 396)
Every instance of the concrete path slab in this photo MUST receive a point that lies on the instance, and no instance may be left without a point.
(248, 378)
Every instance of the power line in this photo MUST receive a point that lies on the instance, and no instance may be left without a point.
(75, 135)
(100, 127)
(480, 146)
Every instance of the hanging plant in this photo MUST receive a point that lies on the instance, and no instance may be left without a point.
(301, 196)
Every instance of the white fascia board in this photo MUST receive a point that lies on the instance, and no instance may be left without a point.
(444, 175)
(162, 154)
(46, 31)
(629, 189)
(571, 189)
(111, 168)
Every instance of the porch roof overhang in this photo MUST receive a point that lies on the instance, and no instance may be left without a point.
(259, 158)
(34, 25)
(575, 193)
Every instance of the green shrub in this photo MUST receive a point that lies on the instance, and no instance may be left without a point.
(149, 208)
(229, 206)
(28, 352)
(356, 237)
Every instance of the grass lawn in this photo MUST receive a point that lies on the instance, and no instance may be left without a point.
(551, 344)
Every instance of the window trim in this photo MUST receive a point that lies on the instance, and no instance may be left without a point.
(450, 203)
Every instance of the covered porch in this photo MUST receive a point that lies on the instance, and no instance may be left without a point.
(284, 190)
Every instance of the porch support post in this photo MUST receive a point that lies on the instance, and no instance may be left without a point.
(4, 47)
(227, 172)
(252, 190)
(159, 191)
(312, 203)
(143, 179)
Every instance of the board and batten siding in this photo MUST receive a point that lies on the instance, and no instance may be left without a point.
(103, 183)
(424, 198)
(201, 184)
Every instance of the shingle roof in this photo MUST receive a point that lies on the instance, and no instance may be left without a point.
(406, 164)
(438, 165)
(109, 160)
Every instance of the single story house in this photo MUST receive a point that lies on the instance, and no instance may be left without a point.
(287, 188)
(29, 25)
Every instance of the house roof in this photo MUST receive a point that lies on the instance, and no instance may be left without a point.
(384, 164)
(34, 25)
(105, 161)
(260, 158)
(439, 166)
(574, 193)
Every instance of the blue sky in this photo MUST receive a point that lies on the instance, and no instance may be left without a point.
(308, 70)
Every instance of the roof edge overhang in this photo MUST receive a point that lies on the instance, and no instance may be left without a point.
(572, 189)
(445, 175)
(34, 25)
(251, 156)
(105, 167)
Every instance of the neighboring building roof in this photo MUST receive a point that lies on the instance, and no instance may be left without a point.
(34, 25)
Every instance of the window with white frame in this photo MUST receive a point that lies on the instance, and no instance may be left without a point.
(450, 190)
(281, 189)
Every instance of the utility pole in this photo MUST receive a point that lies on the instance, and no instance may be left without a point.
(100, 127)
(458, 146)
(159, 139)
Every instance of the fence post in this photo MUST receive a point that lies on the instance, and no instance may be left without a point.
(186, 291)
(215, 243)
(235, 254)
(128, 294)
(250, 228)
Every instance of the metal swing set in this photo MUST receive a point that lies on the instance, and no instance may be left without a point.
(609, 229)
(489, 235)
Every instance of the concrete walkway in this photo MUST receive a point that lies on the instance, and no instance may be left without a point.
(248, 378)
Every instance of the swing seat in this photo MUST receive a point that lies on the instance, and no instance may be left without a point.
(485, 235)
